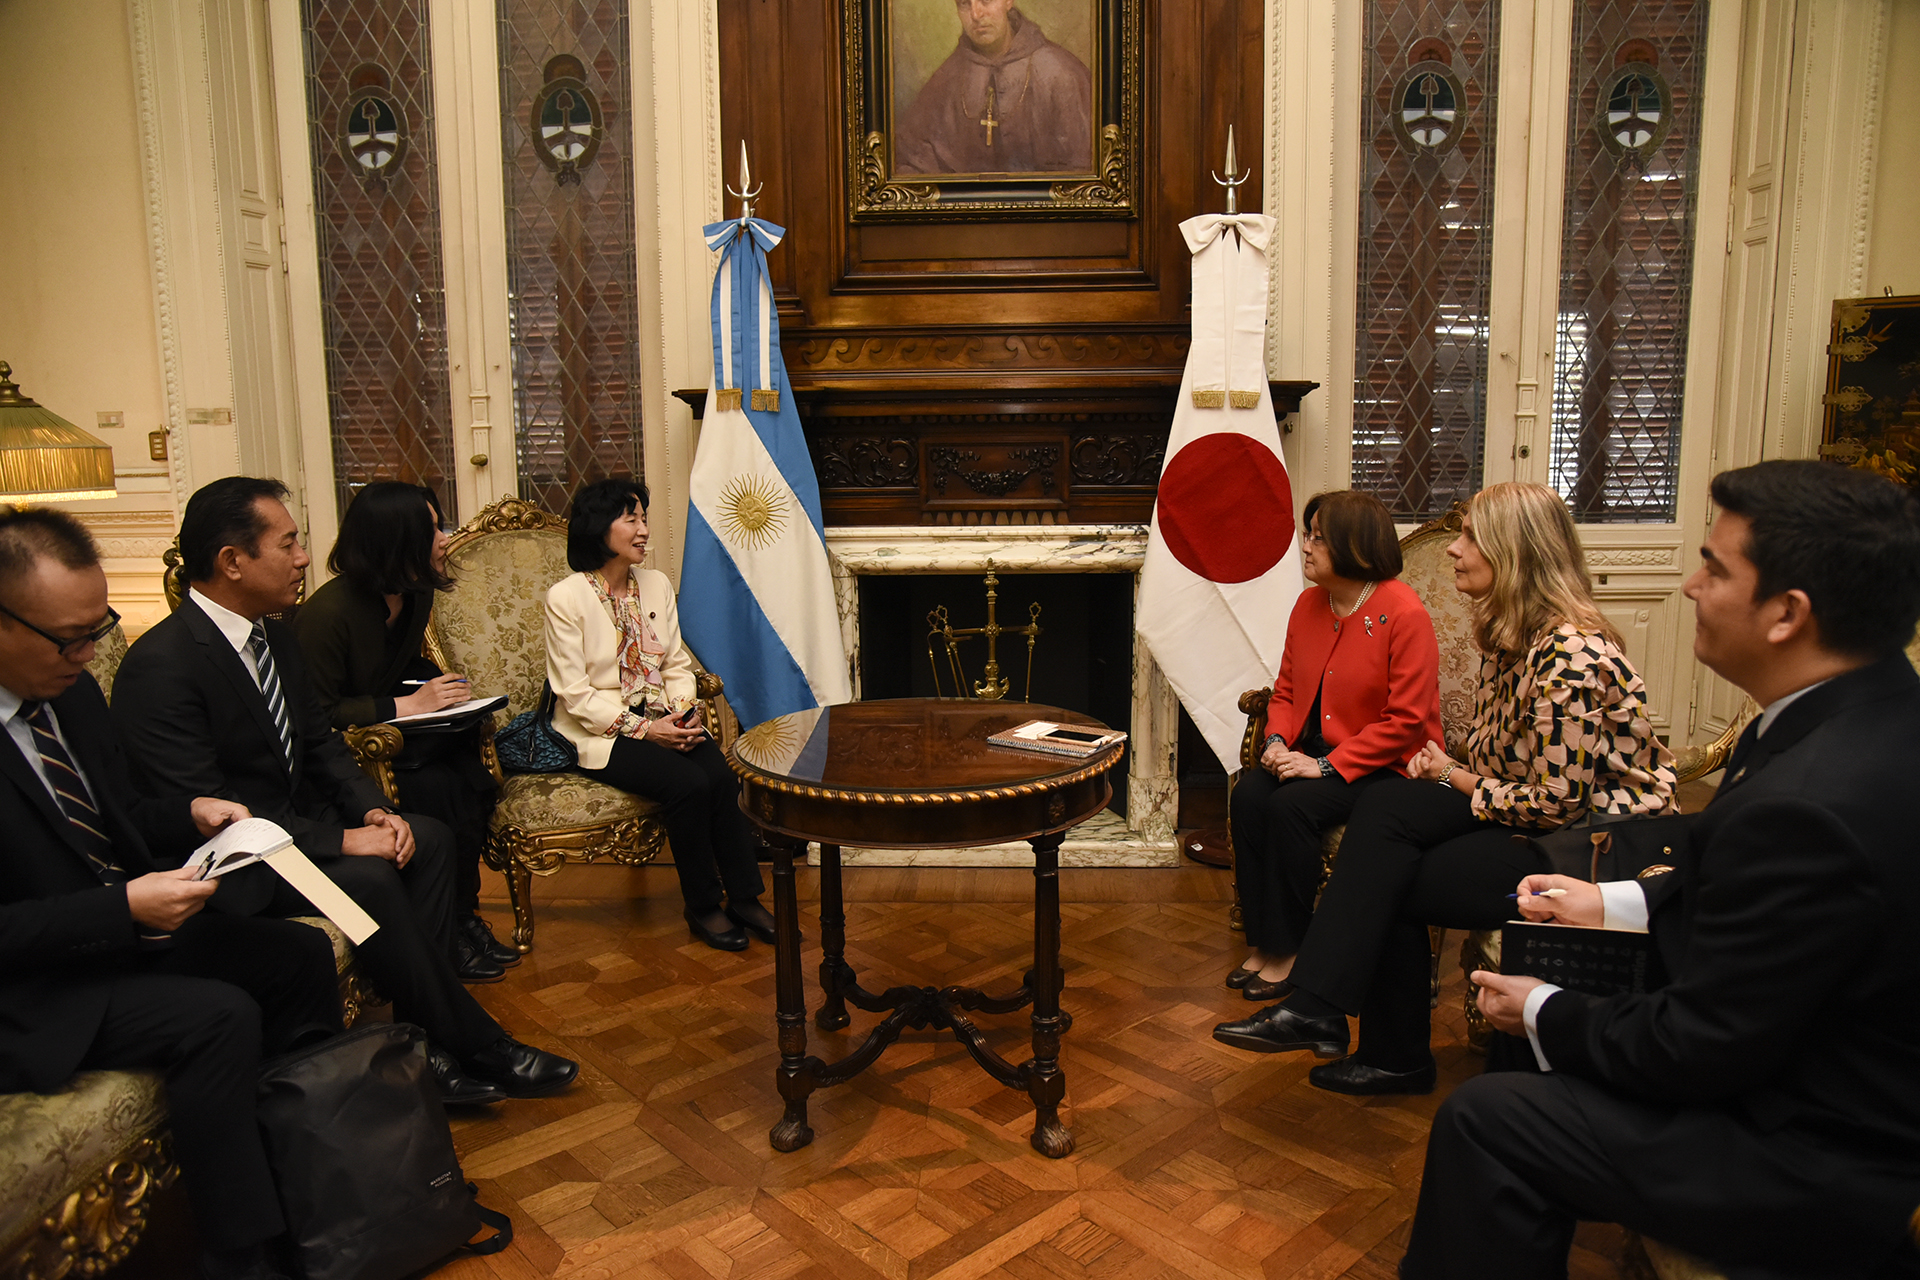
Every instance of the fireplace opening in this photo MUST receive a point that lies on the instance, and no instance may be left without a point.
(1082, 660)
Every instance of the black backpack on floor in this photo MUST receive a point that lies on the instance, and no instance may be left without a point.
(364, 1161)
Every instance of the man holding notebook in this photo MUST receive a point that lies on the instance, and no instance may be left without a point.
(1761, 1109)
(107, 962)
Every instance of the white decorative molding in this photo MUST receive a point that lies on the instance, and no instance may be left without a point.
(1634, 558)
(1873, 81)
(133, 548)
(1153, 791)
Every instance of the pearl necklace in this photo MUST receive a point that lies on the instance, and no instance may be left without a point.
(1337, 615)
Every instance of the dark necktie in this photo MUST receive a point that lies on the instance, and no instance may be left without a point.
(70, 789)
(270, 689)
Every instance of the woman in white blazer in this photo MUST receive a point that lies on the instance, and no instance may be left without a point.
(624, 697)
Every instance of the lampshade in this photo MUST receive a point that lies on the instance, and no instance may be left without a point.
(44, 457)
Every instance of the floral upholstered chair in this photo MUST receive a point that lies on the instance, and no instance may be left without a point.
(490, 629)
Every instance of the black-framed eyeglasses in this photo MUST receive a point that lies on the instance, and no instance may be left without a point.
(67, 644)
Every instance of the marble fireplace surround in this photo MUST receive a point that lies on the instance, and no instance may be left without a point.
(1145, 838)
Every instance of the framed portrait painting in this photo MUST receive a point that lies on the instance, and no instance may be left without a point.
(993, 108)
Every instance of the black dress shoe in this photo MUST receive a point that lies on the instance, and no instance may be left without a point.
(754, 918)
(1351, 1076)
(734, 939)
(1239, 978)
(475, 930)
(457, 1088)
(473, 965)
(1260, 990)
(1280, 1030)
(520, 1070)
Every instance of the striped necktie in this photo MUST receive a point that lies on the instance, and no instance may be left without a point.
(270, 688)
(70, 789)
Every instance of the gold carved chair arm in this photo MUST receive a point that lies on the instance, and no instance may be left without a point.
(1697, 762)
(489, 755)
(1253, 704)
(708, 687)
(374, 746)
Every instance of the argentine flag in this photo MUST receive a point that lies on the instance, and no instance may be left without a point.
(756, 590)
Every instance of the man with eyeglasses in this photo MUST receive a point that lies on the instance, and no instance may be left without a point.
(107, 963)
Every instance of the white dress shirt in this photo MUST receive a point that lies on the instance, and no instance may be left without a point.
(22, 735)
(1623, 903)
(237, 630)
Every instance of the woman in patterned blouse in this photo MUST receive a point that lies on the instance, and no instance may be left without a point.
(624, 697)
(1560, 728)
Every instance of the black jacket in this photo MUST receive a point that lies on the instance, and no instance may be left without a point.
(1788, 929)
(350, 662)
(196, 724)
(60, 928)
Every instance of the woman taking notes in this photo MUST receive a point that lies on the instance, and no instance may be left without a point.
(1357, 695)
(360, 635)
(1560, 729)
(624, 697)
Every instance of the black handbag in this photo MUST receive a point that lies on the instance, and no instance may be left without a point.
(1614, 846)
(530, 743)
(363, 1159)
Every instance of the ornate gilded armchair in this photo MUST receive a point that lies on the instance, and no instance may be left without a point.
(489, 628)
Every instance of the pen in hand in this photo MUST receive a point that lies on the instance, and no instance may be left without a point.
(1544, 893)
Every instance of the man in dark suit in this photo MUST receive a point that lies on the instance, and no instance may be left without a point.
(214, 700)
(106, 962)
(1763, 1109)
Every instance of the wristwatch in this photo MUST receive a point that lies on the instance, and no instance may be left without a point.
(1446, 773)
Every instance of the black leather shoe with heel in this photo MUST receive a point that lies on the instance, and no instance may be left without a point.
(1239, 978)
(1280, 1030)
(754, 918)
(734, 939)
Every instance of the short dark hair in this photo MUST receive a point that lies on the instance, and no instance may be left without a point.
(1359, 533)
(1848, 538)
(383, 547)
(29, 535)
(225, 513)
(595, 507)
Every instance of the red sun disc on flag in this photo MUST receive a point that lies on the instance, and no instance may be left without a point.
(1226, 508)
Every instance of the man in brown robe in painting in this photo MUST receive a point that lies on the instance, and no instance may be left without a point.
(1006, 100)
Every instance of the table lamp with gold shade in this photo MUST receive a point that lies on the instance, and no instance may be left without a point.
(45, 458)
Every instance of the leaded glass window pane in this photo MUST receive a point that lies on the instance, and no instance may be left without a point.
(1426, 215)
(566, 93)
(370, 116)
(1626, 256)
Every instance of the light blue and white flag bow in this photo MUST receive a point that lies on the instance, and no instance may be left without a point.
(756, 589)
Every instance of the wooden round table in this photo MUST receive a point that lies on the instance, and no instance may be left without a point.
(914, 773)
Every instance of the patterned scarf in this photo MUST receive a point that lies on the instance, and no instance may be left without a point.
(641, 652)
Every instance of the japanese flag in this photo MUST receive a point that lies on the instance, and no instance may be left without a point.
(1221, 576)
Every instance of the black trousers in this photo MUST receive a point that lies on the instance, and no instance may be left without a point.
(407, 959)
(1515, 1160)
(453, 787)
(700, 805)
(1414, 855)
(1277, 828)
(230, 991)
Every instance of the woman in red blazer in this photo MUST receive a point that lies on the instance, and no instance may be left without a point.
(1357, 696)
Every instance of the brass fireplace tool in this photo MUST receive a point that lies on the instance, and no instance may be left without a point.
(992, 686)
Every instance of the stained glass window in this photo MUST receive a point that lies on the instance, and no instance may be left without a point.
(370, 117)
(1426, 214)
(565, 98)
(1626, 256)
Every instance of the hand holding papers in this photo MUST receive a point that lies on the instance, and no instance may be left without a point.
(258, 840)
(458, 716)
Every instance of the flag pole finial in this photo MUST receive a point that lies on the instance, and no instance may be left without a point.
(747, 190)
(1232, 181)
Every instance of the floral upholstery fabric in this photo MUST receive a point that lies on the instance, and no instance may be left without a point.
(1429, 571)
(53, 1143)
(106, 659)
(549, 801)
(342, 949)
(490, 626)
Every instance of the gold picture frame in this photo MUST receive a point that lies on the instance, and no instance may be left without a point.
(930, 140)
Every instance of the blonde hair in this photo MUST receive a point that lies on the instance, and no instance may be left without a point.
(1539, 571)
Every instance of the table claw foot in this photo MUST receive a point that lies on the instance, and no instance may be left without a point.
(793, 1132)
(1052, 1139)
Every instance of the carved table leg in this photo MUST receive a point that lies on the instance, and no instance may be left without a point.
(1045, 1083)
(795, 1074)
(833, 943)
(520, 894)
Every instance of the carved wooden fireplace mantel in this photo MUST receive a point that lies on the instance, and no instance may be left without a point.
(921, 448)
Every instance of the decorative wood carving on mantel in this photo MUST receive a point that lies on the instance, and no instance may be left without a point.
(972, 455)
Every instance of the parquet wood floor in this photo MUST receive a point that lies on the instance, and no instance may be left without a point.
(1193, 1159)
